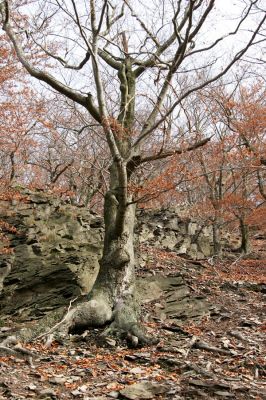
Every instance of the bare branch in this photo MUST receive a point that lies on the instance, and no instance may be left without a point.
(148, 128)
(142, 24)
(111, 21)
(201, 50)
(61, 60)
(72, 94)
(82, 34)
(135, 162)
(162, 155)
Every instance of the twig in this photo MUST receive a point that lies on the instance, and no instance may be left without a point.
(24, 352)
(191, 344)
(59, 323)
(236, 261)
(7, 351)
(18, 352)
(238, 336)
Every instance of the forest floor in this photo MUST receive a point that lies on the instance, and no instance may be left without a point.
(218, 357)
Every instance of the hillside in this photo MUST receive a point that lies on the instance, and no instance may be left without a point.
(207, 312)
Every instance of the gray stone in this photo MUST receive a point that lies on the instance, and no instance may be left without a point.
(57, 251)
(192, 228)
(114, 394)
(47, 393)
(205, 245)
(57, 380)
(55, 257)
(143, 390)
(169, 241)
(192, 250)
(183, 248)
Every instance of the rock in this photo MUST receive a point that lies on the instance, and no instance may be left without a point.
(58, 380)
(76, 392)
(169, 241)
(114, 394)
(47, 394)
(55, 257)
(57, 247)
(145, 234)
(184, 246)
(171, 230)
(5, 268)
(150, 289)
(136, 370)
(224, 394)
(143, 390)
(111, 342)
(205, 245)
(83, 388)
(192, 228)
(73, 378)
(32, 387)
(94, 398)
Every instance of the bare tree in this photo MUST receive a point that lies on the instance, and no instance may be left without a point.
(120, 61)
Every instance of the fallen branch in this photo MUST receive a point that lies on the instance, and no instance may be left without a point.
(204, 346)
(6, 351)
(17, 351)
(201, 371)
(238, 335)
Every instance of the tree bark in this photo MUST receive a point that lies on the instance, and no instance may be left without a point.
(216, 238)
(112, 301)
(244, 247)
(116, 279)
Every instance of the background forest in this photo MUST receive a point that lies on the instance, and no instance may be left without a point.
(48, 142)
(113, 111)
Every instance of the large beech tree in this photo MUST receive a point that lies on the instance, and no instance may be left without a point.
(130, 65)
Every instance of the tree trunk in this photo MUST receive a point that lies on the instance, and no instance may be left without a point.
(115, 283)
(216, 238)
(112, 301)
(244, 247)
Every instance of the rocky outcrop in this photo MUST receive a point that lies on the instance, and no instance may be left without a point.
(56, 251)
(167, 229)
(57, 247)
(172, 299)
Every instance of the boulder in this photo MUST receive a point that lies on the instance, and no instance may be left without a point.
(56, 249)
(170, 230)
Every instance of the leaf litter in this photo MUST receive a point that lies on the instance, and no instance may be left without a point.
(221, 355)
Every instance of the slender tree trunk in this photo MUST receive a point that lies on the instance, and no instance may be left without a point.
(244, 247)
(216, 238)
(12, 172)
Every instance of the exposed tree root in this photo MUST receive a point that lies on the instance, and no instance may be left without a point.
(122, 321)
(93, 313)
(11, 347)
(49, 333)
(134, 334)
